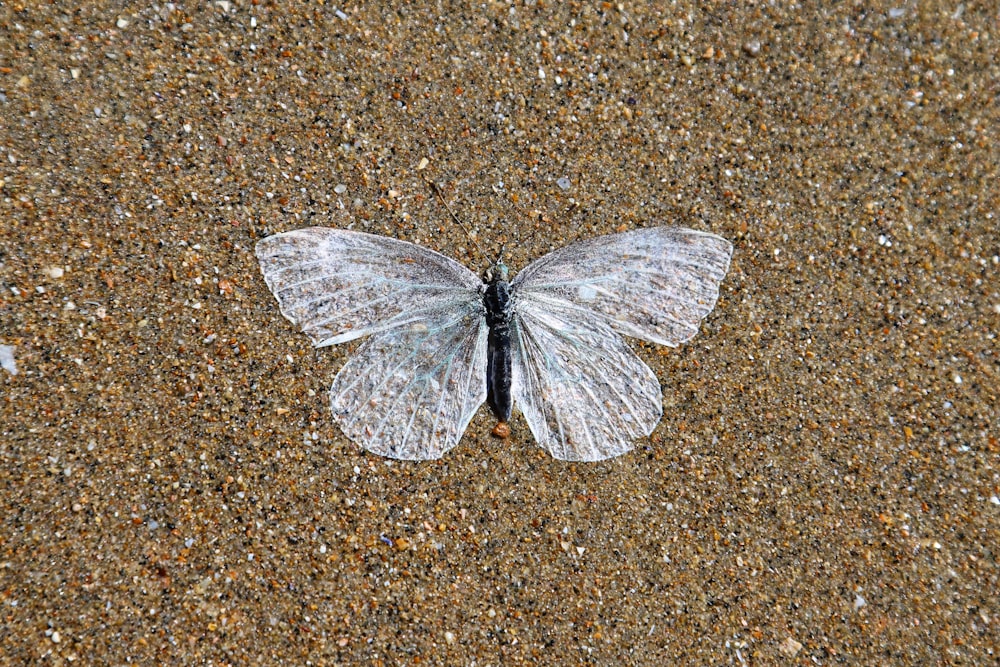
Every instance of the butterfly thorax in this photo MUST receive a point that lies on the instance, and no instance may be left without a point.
(496, 297)
(499, 311)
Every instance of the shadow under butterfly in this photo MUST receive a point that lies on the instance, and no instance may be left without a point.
(441, 341)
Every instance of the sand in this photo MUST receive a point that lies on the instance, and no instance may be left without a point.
(822, 489)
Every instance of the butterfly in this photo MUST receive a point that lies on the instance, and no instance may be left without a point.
(440, 340)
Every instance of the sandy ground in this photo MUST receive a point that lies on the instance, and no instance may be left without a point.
(823, 487)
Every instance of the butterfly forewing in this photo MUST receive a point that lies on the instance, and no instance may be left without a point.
(655, 284)
(338, 285)
(585, 394)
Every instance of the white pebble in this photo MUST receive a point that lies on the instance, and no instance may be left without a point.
(7, 359)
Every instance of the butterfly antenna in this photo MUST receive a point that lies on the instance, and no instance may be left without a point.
(434, 186)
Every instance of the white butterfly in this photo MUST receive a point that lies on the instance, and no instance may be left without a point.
(413, 386)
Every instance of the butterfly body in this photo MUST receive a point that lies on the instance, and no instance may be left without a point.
(498, 312)
(440, 341)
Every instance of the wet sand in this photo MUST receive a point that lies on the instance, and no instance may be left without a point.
(822, 489)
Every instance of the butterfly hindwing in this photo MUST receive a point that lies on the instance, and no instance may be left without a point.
(585, 394)
(410, 392)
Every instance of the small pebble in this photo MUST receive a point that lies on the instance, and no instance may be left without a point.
(7, 359)
(790, 647)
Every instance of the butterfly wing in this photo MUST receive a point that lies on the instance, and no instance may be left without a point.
(655, 284)
(410, 392)
(338, 285)
(585, 395)
(411, 389)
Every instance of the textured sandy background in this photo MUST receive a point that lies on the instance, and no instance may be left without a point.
(823, 488)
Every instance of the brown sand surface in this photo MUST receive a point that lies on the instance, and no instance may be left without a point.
(822, 489)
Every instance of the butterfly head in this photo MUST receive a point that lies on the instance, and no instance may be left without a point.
(498, 272)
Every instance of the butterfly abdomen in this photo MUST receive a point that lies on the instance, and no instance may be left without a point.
(496, 299)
